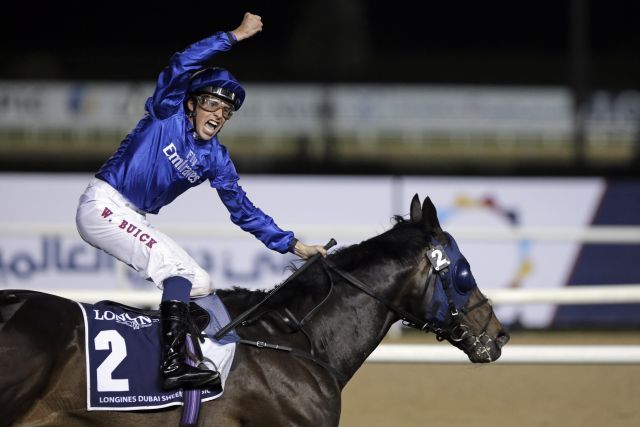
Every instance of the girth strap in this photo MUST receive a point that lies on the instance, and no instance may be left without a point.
(191, 407)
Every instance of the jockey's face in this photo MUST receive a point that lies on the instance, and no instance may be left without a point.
(211, 114)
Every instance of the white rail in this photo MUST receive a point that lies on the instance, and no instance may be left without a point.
(593, 294)
(602, 294)
(593, 234)
(443, 353)
(511, 354)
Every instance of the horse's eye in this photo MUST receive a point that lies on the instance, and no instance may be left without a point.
(462, 278)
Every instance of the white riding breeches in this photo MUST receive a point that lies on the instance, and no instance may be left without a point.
(107, 221)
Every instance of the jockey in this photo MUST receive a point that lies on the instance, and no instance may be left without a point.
(175, 147)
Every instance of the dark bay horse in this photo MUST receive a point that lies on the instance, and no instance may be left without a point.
(337, 311)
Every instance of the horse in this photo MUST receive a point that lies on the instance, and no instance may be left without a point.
(334, 314)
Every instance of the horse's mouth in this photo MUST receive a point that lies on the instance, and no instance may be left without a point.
(482, 349)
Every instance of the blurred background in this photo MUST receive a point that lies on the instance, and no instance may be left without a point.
(362, 87)
(520, 120)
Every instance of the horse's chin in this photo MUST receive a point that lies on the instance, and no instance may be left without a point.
(483, 349)
(484, 354)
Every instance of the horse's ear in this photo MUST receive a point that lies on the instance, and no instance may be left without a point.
(416, 210)
(430, 215)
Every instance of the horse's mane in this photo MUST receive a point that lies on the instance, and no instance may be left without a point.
(401, 244)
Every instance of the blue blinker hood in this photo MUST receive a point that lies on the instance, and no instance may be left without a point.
(453, 284)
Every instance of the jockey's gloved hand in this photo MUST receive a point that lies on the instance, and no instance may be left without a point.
(307, 251)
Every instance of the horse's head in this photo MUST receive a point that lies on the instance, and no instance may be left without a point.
(450, 301)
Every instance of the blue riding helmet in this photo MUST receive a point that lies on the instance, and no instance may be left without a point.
(454, 269)
(219, 83)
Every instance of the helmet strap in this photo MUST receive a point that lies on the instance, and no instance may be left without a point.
(192, 113)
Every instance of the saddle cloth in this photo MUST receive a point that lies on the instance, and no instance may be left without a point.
(123, 356)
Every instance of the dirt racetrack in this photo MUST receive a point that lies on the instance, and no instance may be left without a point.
(498, 395)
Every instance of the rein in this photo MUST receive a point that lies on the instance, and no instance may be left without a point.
(406, 317)
(456, 332)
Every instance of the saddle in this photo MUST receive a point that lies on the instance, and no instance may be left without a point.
(133, 383)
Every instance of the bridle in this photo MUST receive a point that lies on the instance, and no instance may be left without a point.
(456, 331)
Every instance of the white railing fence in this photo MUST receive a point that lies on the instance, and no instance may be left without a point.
(440, 353)
(601, 294)
(511, 354)
(444, 353)
(593, 234)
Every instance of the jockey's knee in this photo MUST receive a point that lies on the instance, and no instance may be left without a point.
(202, 284)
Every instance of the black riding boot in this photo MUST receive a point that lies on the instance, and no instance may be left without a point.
(176, 373)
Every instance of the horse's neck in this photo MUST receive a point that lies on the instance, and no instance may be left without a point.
(353, 323)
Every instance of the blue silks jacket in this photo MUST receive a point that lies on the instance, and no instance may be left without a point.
(161, 159)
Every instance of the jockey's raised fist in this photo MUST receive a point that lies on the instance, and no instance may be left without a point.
(250, 25)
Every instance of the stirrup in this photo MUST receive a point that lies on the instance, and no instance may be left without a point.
(184, 380)
(213, 383)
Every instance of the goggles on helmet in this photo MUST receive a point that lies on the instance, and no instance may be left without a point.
(211, 104)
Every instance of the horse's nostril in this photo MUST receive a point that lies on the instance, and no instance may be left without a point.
(502, 339)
